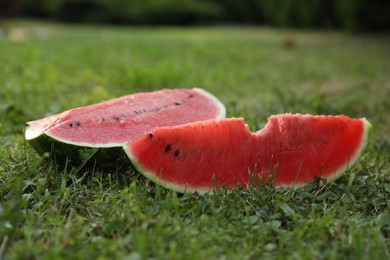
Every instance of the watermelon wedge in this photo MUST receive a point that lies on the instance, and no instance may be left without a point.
(290, 150)
(113, 123)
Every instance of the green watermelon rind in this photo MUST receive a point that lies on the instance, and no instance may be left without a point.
(367, 129)
(64, 150)
(62, 153)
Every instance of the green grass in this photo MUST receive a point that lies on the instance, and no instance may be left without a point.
(50, 212)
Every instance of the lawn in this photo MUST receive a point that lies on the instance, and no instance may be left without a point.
(51, 212)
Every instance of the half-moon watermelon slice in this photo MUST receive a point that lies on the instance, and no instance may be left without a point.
(111, 124)
(290, 150)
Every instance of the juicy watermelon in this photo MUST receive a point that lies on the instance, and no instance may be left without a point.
(290, 150)
(113, 123)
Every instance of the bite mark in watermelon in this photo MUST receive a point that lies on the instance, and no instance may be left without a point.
(290, 150)
(113, 123)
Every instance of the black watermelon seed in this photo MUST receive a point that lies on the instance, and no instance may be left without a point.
(176, 153)
(77, 123)
(103, 119)
(116, 118)
(177, 103)
(167, 148)
(71, 124)
(150, 135)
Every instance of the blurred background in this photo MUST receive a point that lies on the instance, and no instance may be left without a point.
(351, 15)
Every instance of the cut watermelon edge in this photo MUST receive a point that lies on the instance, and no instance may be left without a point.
(367, 130)
(220, 105)
(151, 176)
(31, 135)
(86, 145)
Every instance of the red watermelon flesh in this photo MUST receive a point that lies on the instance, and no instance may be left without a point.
(290, 150)
(113, 123)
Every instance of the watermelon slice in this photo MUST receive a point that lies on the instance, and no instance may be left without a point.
(290, 150)
(113, 123)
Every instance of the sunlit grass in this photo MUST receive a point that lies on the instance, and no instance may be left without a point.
(47, 211)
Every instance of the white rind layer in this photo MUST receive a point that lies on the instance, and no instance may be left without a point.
(81, 144)
(363, 143)
(151, 176)
(220, 105)
(29, 134)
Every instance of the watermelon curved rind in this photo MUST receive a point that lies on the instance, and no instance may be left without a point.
(152, 176)
(64, 153)
(139, 149)
(221, 107)
(43, 135)
(367, 131)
